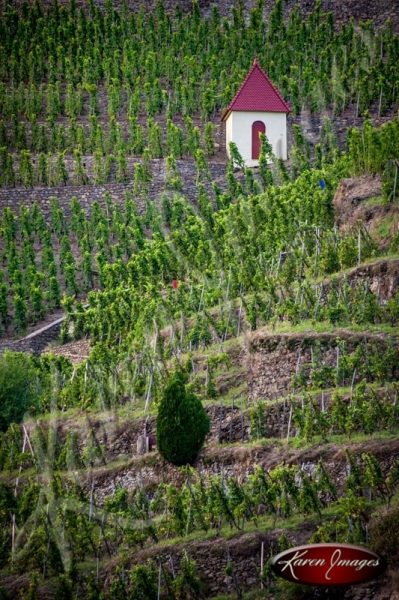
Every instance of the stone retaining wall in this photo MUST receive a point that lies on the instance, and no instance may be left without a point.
(36, 341)
(242, 553)
(381, 276)
(361, 10)
(311, 124)
(15, 198)
(273, 360)
(151, 470)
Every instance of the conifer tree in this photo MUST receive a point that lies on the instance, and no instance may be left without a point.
(182, 423)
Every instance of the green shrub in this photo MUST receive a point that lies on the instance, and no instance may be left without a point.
(182, 422)
(384, 534)
(19, 387)
(144, 582)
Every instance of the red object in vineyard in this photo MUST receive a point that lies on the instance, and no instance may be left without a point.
(175, 284)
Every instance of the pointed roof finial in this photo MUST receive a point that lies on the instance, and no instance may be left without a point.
(256, 62)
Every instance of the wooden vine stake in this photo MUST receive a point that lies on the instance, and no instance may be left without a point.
(26, 441)
(239, 318)
(353, 383)
(13, 536)
(262, 554)
(159, 581)
(289, 424)
(91, 500)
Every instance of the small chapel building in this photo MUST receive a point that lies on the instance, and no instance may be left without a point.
(258, 107)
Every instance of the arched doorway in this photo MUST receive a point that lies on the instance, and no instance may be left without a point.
(258, 127)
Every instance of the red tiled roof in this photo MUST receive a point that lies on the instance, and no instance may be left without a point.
(257, 93)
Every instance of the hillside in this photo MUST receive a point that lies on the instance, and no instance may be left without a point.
(362, 10)
(133, 251)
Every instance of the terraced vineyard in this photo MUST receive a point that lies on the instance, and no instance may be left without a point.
(139, 263)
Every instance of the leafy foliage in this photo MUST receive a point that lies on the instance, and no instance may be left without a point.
(20, 387)
(182, 423)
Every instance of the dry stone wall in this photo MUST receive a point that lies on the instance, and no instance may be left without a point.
(242, 553)
(382, 278)
(344, 10)
(151, 470)
(273, 360)
(231, 424)
(15, 198)
(312, 123)
(35, 342)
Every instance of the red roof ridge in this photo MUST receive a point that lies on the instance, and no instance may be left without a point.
(255, 65)
(288, 107)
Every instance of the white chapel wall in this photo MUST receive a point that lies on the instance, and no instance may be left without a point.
(239, 131)
(229, 125)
